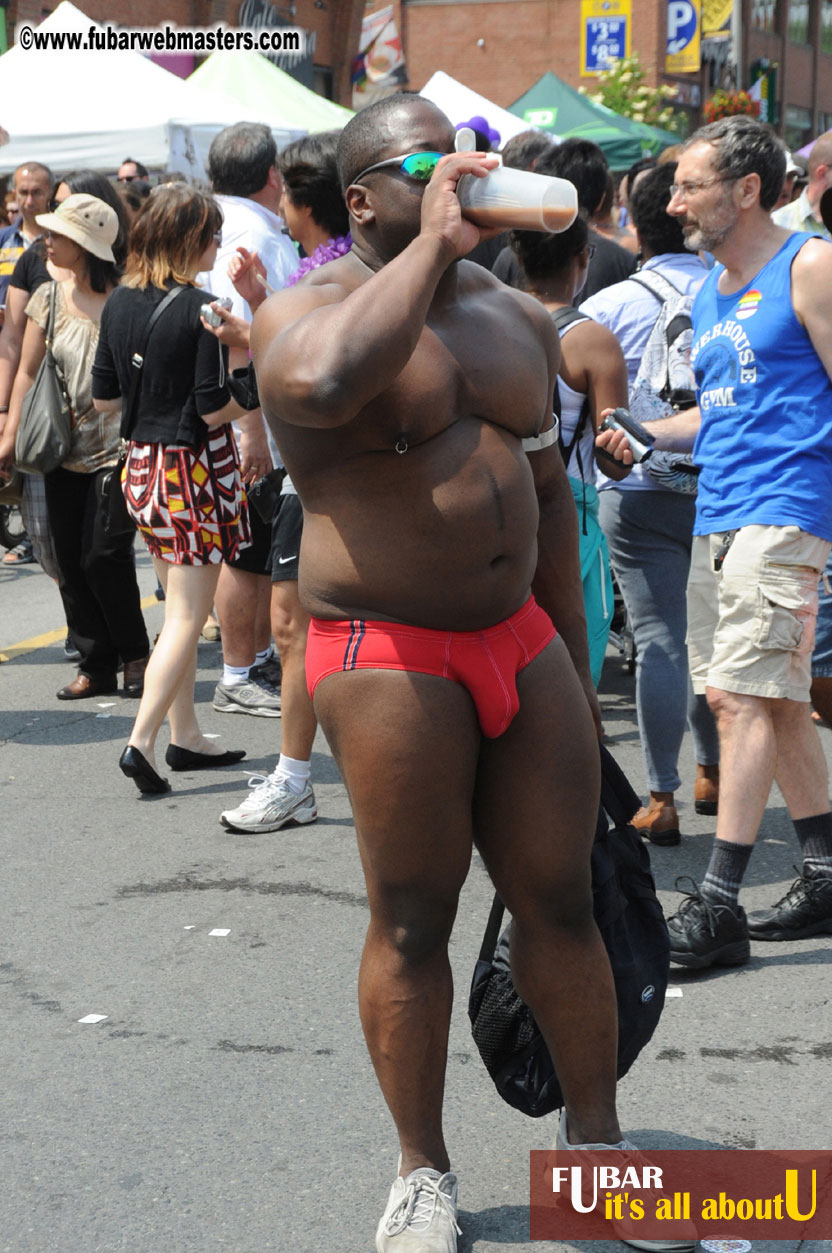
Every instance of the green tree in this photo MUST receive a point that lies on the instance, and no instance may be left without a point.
(622, 88)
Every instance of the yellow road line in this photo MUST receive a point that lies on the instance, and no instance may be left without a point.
(50, 637)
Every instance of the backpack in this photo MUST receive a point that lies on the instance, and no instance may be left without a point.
(596, 578)
(634, 932)
(563, 318)
(665, 369)
(665, 381)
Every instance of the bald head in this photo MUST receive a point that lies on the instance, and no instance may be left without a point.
(387, 128)
(821, 153)
(820, 170)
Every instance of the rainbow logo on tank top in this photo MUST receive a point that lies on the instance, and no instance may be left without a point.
(749, 304)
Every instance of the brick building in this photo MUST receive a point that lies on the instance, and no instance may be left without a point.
(501, 47)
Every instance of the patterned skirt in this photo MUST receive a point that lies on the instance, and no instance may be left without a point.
(190, 507)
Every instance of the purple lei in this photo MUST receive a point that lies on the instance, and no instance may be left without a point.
(330, 251)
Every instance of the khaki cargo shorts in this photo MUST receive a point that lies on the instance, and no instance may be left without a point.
(751, 626)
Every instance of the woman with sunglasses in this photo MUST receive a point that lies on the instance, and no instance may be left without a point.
(592, 377)
(182, 481)
(97, 575)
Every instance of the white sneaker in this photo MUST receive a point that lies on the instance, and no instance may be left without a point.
(421, 1214)
(272, 805)
(256, 696)
(621, 1230)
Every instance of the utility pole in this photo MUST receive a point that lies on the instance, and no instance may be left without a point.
(736, 43)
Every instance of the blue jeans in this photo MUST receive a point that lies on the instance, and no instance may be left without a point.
(822, 656)
(649, 536)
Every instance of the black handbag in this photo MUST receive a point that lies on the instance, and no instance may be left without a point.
(634, 932)
(11, 489)
(117, 519)
(44, 435)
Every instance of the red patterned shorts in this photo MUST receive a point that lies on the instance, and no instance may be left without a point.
(190, 507)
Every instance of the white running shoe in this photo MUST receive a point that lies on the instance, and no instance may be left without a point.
(271, 805)
(623, 1230)
(256, 696)
(421, 1214)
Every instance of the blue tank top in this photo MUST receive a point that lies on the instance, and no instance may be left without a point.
(765, 444)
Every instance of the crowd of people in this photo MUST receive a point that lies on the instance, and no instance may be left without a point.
(398, 474)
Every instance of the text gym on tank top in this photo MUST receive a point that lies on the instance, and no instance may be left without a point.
(765, 444)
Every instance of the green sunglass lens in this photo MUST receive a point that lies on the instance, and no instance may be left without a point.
(421, 165)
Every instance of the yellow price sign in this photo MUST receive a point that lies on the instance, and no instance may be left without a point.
(606, 29)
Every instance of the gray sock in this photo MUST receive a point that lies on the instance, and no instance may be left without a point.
(721, 885)
(815, 835)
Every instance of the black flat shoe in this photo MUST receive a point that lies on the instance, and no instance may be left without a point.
(137, 768)
(184, 759)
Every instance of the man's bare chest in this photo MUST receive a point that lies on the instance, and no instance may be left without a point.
(486, 368)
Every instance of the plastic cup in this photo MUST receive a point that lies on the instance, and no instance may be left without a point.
(517, 200)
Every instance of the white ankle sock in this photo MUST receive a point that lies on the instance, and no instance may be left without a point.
(261, 658)
(295, 773)
(233, 676)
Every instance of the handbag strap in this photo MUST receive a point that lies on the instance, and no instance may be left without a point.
(492, 930)
(128, 420)
(50, 325)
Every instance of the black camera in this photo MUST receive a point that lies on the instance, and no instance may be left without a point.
(641, 441)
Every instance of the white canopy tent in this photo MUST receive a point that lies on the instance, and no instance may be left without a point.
(461, 103)
(80, 109)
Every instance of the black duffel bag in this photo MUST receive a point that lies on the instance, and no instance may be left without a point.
(634, 932)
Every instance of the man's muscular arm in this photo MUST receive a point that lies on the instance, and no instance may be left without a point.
(321, 356)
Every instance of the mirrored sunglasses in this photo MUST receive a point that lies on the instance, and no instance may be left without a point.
(418, 166)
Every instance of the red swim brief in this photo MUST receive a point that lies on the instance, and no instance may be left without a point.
(486, 663)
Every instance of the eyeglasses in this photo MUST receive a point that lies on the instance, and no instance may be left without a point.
(416, 165)
(217, 237)
(687, 190)
(127, 178)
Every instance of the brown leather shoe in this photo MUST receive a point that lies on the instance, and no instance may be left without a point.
(134, 676)
(706, 790)
(658, 823)
(85, 685)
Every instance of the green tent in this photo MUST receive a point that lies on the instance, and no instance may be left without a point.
(552, 105)
(267, 91)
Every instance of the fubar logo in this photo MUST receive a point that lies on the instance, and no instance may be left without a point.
(680, 1195)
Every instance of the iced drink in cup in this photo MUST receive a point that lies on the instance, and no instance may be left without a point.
(517, 200)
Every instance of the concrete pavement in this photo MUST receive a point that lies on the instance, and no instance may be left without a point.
(225, 1101)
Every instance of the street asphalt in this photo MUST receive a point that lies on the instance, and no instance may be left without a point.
(225, 1100)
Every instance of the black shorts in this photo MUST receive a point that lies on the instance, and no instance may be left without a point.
(256, 558)
(287, 528)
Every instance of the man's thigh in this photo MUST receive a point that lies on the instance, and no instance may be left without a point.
(288, 615)
(406, 745)
(538, 789)
(768, 599)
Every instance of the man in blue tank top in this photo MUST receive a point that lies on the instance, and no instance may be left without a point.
(762, 354)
